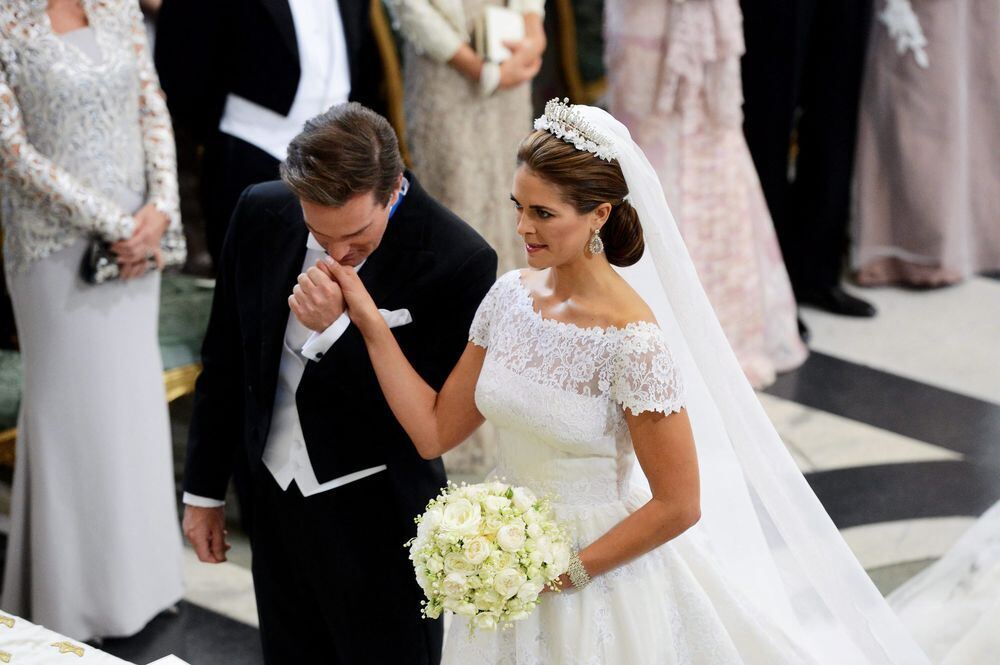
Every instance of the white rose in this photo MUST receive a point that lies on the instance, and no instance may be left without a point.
(461, 517)
(434, 564)
(430, 521)
(485, 621)
(497, 487)
(511, 537)
(422, 579)
(508, 581)
(560, 555)
(536, 558)
(534, 571)
(454, 585)
(487, 599)
(452, 604)
(496, 503)
(535, 530)
(523, 499)
(529, 591)
(543, 546)
(532, 517)
(477, 550)
(455, 562)
(492, 523)
(501, 559)
(466, 609)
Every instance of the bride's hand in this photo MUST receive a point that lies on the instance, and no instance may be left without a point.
(562, 583)
(360, 306)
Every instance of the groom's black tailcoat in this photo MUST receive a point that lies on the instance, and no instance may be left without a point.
(331, 575)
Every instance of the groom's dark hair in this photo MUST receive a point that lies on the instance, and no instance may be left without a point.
(345, 151)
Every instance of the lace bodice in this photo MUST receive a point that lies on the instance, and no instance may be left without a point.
(558, 394)
(76, 133)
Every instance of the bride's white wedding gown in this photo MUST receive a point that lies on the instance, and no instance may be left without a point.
(557, 394)
(953, 607)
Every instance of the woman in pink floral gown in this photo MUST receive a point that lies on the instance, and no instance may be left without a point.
(675, 82)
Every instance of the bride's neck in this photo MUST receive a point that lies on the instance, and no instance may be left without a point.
(580, 279)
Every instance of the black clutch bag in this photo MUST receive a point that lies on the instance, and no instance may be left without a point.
(100, 264)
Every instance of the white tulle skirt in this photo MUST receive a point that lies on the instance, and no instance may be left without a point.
(669, 607)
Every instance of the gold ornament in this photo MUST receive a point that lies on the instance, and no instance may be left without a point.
(6, 621)
(5, 657)
(68, 647)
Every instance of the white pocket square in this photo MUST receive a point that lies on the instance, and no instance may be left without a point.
(397, 317)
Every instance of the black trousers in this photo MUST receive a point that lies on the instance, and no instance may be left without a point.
(230, 165)
(334, 584)
(805, 57)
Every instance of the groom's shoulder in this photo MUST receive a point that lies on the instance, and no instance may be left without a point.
(261, 206)
(442, 228)
(273, 197)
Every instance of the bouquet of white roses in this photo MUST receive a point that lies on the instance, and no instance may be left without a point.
(486, 552)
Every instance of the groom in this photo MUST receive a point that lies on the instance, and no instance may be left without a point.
(337, 482)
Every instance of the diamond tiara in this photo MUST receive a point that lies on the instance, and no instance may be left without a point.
(562, 120)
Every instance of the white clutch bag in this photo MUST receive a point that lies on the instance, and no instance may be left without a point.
(494, 27)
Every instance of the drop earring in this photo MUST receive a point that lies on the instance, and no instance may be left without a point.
(596, 245)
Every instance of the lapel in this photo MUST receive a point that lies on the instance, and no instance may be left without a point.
(282, 15)
(281, 264)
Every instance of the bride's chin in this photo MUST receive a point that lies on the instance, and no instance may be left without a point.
(537, 262)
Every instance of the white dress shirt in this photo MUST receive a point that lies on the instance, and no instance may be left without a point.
(325, 80)
(285, 454)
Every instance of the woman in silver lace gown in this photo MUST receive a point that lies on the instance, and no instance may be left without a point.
(86, 150)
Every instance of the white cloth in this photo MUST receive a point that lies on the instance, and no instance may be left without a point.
(25, 643)
(325, 80)
(285, 454)
(95, 547)
(953, 607)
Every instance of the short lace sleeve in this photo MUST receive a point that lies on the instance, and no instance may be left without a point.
(482, 322)
(646, 377)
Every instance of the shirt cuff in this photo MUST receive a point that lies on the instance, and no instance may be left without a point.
(201, 501)
(320, 342)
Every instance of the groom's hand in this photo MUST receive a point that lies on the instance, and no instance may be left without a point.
(317, 300)
(205, 529)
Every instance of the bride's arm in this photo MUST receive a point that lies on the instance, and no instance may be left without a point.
(664, 446)
(435, 421)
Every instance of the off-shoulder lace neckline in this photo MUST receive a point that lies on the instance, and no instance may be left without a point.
(528, 301)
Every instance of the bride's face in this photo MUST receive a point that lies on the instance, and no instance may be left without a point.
(554, 232)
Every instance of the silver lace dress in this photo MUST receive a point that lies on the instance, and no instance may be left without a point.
(85, 140)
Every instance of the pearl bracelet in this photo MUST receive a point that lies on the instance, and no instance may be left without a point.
(577, 572)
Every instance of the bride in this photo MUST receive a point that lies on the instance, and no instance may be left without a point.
(615, 391)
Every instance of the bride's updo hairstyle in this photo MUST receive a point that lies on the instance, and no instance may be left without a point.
(585, 182)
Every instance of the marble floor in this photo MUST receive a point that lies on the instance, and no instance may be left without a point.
(895, 422)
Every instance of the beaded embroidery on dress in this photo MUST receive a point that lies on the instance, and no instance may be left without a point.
(557, 394)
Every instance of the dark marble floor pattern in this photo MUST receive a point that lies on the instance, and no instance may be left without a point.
(853, 496)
